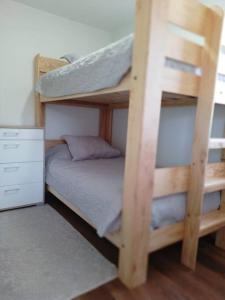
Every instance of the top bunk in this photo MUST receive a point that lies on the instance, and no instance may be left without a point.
(60, 82)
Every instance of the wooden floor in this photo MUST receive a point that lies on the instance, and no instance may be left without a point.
(168, 279)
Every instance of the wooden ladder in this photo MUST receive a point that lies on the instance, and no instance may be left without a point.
(196, 224)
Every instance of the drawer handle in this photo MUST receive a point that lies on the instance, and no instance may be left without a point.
(10, 146)
(10, 134)
(11, 169)
(11, 191)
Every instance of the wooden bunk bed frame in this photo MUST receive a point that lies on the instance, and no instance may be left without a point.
(144, 89)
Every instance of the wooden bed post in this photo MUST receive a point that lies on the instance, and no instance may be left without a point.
(105, 126)
(204, 116)
(40, 107)
(143, 123)
(220, 235)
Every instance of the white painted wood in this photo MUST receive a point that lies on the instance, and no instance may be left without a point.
(21, 134)
(21, 167)
(21, 151)
(21, 173)
(21, 195)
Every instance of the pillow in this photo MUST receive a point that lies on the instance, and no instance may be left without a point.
(89, 147)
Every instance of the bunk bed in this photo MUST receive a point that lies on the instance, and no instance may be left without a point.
(147, 86)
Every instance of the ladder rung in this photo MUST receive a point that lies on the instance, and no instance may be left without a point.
(214, 184)
(216, 143)
(212, 222)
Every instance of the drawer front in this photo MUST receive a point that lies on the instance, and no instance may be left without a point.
(21, 134)
(21, 151)
(20, 195)
(20, 173)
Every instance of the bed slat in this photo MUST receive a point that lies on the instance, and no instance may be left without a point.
(183, 50)
(169, 181)
(179, 82)
(166, 236)
(188, 14)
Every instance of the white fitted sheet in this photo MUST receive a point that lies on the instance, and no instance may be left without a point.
(95, 187)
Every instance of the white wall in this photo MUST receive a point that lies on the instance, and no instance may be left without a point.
(24, 32)
(121, 32)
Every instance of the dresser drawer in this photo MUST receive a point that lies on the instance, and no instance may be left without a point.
(20, 195)
(21, 134)
(20, 173)
(21, 151)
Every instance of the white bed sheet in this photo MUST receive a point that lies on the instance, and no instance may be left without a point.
(95, 188)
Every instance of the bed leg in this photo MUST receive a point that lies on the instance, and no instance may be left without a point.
(220, 235)
(142, 137)
(220, 239)
(133, 264)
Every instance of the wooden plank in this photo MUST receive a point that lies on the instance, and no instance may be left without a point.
(188, 14)
(214, 184)
(179, 82)
(143, 123)
(105, 126)
(212, 222)
(39, 107)
(79, 104)
(205, 108)
(47, 64)
(166, 236)
(220, 236)
(175, 180)
(170, 181)
(170, 234)
(183, 50)
(122, 105)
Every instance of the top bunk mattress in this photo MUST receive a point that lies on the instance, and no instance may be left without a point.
(99, 70)
(95, 187)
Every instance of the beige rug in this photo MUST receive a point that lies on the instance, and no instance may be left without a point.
(42, 257)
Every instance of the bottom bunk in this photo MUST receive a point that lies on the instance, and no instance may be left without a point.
(93, 190)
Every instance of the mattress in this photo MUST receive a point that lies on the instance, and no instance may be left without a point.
(99, 70)
(95, 187)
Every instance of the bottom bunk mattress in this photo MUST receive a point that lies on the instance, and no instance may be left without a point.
(95, 188)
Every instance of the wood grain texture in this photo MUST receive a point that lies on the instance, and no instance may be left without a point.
(39, 106)
(204, 115)
(183, 50)
(180, 12)
(143, 123)
(179, 82)
(105, 126)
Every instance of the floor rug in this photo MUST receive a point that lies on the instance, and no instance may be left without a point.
(42, 257)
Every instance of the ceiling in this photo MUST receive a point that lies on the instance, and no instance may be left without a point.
(105, 14)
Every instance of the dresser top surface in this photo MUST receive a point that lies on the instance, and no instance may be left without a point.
(20, 127)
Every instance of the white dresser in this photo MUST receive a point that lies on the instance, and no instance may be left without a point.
(21, 167)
